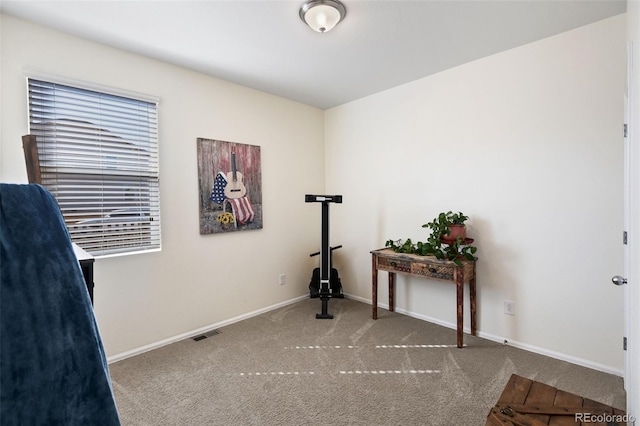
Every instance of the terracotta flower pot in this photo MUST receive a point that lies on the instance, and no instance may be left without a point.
(455, 231)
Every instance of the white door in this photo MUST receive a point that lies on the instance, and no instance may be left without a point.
(632, 214)
(622, 280)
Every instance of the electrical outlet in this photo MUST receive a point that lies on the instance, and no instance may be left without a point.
(283, 279)
(509, 307)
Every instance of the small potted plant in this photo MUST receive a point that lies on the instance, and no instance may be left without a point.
(457, 228)
(448, 238)
(449, 225)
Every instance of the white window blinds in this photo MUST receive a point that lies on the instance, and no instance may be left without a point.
(99, 158)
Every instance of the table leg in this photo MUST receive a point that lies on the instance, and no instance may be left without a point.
(392, 287)
(472, 300)
(374, 286)
(460, 303)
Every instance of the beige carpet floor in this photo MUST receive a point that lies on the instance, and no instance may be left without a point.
(287, 368)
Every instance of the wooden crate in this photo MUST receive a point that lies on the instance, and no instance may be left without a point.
(525, 402)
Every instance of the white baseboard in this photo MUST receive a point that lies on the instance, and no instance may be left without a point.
(553, 354)
(192, 333)
(520, 345)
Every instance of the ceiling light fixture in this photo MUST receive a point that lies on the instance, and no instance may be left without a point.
(322, 15)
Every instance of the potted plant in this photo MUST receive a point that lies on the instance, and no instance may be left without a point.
(448, 238)
(448, 225)
(457, 228)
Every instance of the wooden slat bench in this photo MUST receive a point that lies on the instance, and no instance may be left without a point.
(525, 402)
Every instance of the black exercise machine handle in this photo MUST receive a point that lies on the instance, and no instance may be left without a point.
(332, 249)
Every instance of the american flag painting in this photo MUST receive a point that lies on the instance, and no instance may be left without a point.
(217, 162)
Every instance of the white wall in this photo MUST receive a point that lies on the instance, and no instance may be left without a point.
(528, 143)
(195, 280)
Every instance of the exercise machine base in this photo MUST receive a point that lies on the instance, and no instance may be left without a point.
(324, 314)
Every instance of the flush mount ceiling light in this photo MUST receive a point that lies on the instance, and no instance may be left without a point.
(322, 15)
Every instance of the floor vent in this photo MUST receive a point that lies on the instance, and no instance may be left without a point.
(205, 335)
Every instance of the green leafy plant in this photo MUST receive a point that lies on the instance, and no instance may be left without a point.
(441, 223)
(457, 250)
(453, 250)
(457, 218)
(402, 246)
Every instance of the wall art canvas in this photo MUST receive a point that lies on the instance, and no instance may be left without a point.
(230, 181)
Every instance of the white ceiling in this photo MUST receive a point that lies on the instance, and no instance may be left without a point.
(263, 44)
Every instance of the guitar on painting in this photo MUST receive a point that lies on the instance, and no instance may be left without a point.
(235, 188)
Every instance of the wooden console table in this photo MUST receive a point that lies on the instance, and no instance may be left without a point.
(430, 268)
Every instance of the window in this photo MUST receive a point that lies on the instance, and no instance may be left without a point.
(98, 156)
